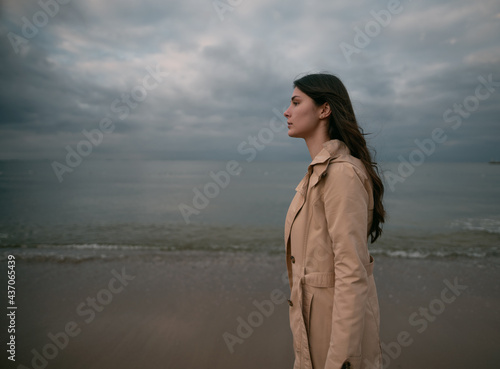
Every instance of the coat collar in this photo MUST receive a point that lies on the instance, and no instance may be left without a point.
(317, 168)
(331, 150)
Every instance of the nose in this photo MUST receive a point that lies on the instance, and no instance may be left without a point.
(286, 113)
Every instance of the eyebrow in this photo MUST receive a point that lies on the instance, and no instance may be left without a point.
(293, 97)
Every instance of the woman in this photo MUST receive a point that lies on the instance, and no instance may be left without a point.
(334, 313)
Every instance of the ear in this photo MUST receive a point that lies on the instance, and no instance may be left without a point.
(325, 111)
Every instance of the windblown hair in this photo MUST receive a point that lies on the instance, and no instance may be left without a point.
(327, 88)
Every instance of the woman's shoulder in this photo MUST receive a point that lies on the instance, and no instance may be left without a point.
(347, 177)
(347, 165)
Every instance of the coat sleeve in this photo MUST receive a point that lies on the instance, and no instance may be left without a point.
(346, 201)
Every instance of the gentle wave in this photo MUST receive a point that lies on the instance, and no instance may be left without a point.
(80, 253)
(428, 254)
(464, 238)
(481, 224)
(55, 256)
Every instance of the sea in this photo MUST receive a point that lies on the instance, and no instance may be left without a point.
(106, 209)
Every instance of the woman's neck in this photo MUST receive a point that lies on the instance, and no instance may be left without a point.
(315, 143)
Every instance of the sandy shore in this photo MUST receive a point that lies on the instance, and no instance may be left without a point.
(227, 310)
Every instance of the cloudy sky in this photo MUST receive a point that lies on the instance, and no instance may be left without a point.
(194, 79)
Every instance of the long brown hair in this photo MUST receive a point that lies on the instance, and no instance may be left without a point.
(327, 88)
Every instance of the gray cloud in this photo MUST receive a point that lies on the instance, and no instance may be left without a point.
(225, 77)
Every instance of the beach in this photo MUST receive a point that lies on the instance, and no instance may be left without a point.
(202, 309)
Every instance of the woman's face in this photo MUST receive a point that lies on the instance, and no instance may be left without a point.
(303, 116)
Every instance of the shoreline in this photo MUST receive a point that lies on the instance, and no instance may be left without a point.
(182, 310)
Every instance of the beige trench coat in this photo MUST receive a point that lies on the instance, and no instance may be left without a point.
(334, 312)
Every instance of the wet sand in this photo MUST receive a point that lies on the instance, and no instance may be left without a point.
(207, 310)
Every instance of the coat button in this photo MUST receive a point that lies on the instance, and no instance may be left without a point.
(290, 303)
(292, 258)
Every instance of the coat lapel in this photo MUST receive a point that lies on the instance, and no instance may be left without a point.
(297, 204)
